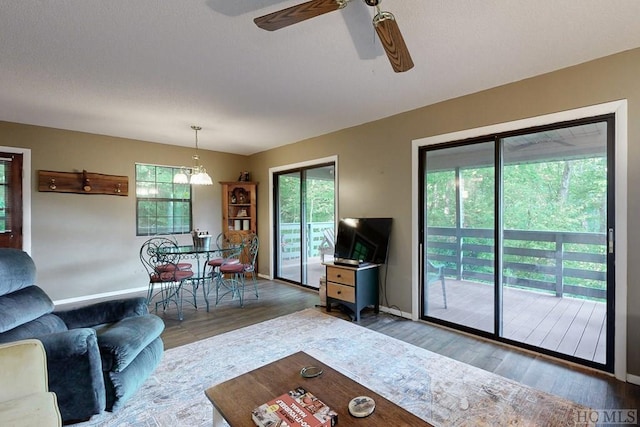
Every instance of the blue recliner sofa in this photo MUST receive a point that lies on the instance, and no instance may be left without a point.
(98, 355)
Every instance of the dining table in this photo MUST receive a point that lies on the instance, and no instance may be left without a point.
(202, 254)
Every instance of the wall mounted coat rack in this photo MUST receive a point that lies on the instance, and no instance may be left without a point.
(83, 183)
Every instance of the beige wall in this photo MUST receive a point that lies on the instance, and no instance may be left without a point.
(85, 245)
(375, 159)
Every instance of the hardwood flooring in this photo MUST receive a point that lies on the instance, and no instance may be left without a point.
(587, 387)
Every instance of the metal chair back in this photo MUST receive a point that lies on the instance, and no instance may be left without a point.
(159, 256)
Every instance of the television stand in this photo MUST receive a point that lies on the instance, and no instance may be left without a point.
(347, 261)
(354, 287)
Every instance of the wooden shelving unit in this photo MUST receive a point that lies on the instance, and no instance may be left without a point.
(239, 207)
(239, 210)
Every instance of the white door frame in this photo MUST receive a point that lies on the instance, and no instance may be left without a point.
(275, 170)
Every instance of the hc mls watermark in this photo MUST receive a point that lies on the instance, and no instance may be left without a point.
(607, 416)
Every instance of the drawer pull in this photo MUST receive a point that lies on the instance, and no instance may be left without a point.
(339, 275)
(339, 292)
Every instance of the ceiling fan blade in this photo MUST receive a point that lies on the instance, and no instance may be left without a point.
(294, 14)
(393, 42)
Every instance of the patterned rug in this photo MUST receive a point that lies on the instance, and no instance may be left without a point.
(440, 390)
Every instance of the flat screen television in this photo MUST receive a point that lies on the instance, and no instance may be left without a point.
(362, 240)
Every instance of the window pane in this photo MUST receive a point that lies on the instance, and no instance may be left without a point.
(163, 207)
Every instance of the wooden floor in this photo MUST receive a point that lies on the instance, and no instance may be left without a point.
(590, 388)
(576, 327)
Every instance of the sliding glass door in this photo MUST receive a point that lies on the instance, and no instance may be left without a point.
(460, 187)
(305, 220)
(517, 235)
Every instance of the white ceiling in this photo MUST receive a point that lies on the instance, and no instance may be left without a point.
(149, 69)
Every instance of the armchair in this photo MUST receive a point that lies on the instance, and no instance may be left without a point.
(98, 355)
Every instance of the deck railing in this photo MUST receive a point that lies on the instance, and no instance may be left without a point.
(290, 245)
(553, 262)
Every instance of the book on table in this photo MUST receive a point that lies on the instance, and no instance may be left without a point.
(296, 408)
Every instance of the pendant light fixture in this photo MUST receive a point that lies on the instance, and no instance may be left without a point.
(195, 175)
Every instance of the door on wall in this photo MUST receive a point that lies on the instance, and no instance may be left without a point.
(11, 200)
(517, 237)
(305, 219)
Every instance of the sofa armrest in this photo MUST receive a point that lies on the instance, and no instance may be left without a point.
(121, 342)
(75, 372)
(23, 369)
(103, 312)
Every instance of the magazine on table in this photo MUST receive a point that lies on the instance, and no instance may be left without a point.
(296, 408)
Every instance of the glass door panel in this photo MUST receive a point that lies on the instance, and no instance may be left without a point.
(305, 215)
(555, 232)
(289, 226)
(11, 200)
(320, 221)
(458, 255)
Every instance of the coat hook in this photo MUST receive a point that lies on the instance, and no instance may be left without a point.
(118, 189)
(86, 182)
(52, 184)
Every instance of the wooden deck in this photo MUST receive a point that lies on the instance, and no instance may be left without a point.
(315, 270)
(570, 326)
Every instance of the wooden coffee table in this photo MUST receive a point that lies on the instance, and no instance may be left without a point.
(234, 399)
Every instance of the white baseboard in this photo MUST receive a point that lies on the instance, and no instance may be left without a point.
(106, 295)
(633, 379)
(396, 312)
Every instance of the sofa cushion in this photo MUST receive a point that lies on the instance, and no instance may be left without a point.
(23, 306)
(16, 269)
(122, 341)
(38, 409)
(45, 325)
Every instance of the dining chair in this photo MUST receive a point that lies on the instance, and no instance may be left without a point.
(253, 244)
(161, 260)
(224, 243)
(237, 268)
(215, 263)
(229, 276)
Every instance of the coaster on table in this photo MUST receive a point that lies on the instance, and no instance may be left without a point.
(361, 406)
(311, 371)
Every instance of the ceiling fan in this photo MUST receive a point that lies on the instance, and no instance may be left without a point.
(384, 23)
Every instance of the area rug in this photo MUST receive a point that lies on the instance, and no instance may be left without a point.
(439, 390)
